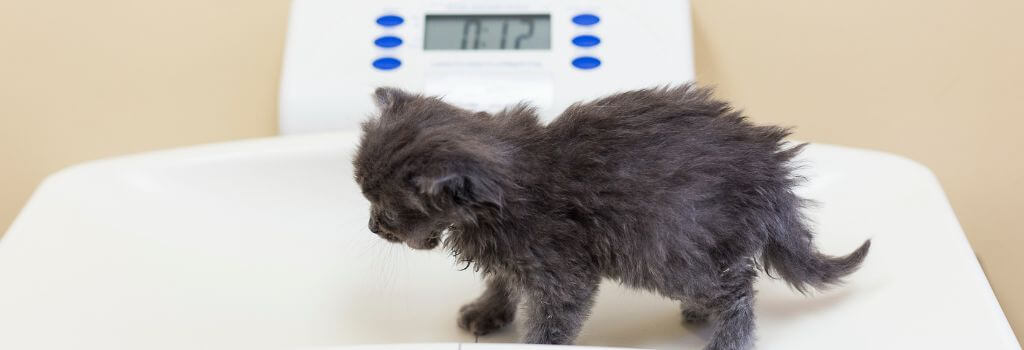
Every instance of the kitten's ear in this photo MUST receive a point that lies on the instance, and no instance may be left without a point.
(460, 189)
(387, 97)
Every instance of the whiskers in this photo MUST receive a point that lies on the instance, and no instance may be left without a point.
(385, 262)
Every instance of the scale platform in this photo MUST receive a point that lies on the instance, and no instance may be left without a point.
(263, 244)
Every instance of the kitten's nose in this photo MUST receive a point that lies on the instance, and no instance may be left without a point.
(374, 226)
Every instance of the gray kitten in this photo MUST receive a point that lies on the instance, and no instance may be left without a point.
(665, 190)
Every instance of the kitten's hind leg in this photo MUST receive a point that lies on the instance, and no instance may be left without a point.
(494, 309)
(734, 308)
(694, 314)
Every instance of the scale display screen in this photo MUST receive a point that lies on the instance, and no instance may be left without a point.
(487, 32)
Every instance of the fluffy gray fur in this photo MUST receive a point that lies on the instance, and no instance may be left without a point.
(666, 190)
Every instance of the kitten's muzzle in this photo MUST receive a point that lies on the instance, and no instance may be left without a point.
(374, 227)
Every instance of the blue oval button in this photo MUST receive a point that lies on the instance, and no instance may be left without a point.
(586, 40)
(586, 62)
(390, 20)
(586, 19)
(388, 41)
(386, 63)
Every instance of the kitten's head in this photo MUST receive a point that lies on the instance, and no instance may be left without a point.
(425, 166)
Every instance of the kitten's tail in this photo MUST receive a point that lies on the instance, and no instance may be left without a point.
(799, 263)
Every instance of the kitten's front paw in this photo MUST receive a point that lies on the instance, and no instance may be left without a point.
(481, 319)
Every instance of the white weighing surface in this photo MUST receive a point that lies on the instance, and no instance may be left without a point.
(466, 346)
(263, 245)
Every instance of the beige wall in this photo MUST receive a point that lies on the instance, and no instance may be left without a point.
(81, 80)
(939, 81)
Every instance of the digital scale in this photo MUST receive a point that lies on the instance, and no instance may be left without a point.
(481, 55)
(262, 244)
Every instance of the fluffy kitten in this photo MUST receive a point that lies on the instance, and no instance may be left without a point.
(665, 190)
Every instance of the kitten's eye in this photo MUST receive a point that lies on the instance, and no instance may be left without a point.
(390, 216)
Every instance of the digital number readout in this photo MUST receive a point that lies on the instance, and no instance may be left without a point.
(487, 32)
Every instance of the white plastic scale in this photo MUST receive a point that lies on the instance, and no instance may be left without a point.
(481, 54)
